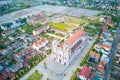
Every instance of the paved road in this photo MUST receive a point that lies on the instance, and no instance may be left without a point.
(109, 65)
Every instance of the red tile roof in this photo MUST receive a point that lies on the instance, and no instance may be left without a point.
(85, 72)
(91, 77)
(25, 64)
(75, 36)
(28, 56)
(101, 68)
(21, 52)
(108, 20)
(4, 76)
(106, 47)
(105, 28)
(94, 53)
(40, 42)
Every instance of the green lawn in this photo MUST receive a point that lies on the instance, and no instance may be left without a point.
(35, 76)
(59, 26)
(28, 28)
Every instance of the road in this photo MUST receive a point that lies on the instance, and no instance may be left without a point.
(69, 72)
(113, 52)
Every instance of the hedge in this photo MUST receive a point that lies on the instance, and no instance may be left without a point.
(74, 76)
(87, 55)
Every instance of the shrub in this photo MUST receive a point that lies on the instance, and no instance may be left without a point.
(74, 76)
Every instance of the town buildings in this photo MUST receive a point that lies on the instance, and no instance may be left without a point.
(94, 57)
(40, 30)
(41, 43)
(84, 74)
(118, 47)
(13, 24)
(65, 52)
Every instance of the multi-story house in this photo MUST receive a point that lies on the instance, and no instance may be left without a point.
(40, 30)
(94, 57)
(41, 43)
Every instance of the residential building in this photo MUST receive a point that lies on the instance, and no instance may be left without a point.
(84, 73)
(65, 52)
(17, 66)
(101, 66)
(118, 47)
(37, 16)
(7, 32)
(104, 57)
(94, 57)
(6, 76)
(41, 29)
(41, 43)
(107, 48)
(13, 24)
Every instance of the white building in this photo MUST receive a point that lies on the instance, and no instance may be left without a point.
(65, 52)
(13, 24)
(41, 29)
(41, 43)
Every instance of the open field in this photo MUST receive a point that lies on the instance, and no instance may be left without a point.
(48, 8)
(59, 26)
(66, 23)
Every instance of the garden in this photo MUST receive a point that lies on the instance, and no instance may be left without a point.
(35, 76)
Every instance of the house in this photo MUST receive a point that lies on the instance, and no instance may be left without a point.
(118, 46)
(101, 36)
(105, 28)
(102, 19)
(6, 26)
(84, 73)
(11, 38)
(13, 24)
(6, 76)
(104, 57)
(91, 76)
(94, 57)
(104, 52)
(28, 56)
(107, 43)
(101, 66)
(41, 29)
(65, 52)
(17, 66)
(41, 43)
(25, 64)
(107, 34)
(1, 68)
(107, 48)
(7, 32)
(37, 16)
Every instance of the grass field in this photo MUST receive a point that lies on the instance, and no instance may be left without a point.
(59, 26)
(35, 76)
(69, 23)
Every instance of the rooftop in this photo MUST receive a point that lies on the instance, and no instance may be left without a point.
(106, 47)
(94, 53)
(75, 36)
(105, 28)
(85, 72)
(101, 68)
(40, 42)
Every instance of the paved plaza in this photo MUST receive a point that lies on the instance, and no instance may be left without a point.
(56, 67)
(50, 73)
